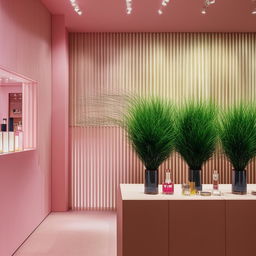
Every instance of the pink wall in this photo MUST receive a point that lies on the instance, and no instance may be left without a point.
(25, 196)
(59, 114)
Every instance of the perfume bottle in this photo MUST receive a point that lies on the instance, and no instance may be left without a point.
(185, 189)
(192, 186)
(5, 136)
(1, 141)
(168, 186)
(215, 178)
(21, 143)
(11, 135)
(18, 138)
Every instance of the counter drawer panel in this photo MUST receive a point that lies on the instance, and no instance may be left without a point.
(145, 228)
(241, 228)
(197, 228)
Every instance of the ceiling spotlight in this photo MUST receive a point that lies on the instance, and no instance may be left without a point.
(207, 3)
(128, 6)
(73, 2)
(129, 10)
(76, 7)
(163, 5)
(203, 11)
(165, 2)
(210, 2)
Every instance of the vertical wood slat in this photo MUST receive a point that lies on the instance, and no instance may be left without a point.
(177, 66)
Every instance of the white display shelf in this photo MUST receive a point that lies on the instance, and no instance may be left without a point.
(17, 152)
(11, 85)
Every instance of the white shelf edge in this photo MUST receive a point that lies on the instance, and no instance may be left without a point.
(17, 152)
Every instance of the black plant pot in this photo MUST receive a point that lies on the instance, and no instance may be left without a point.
(239, 183)
(195, 176)
(151, 182)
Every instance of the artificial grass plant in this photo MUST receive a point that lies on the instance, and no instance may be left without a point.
(149, 123)
(196, 133)
(238, 134)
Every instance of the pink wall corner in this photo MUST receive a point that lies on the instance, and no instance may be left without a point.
(25, 178)
(59, 114)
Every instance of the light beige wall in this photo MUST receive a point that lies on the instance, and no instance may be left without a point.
(104, 67)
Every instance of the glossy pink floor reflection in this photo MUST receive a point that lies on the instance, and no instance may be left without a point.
(73, 234)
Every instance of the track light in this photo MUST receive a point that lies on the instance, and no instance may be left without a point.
(163, 5)
(254, 10)
(207, 3)
(203, 11)
(211, 2)
(129, 10)
(76, 7)
(128, 6)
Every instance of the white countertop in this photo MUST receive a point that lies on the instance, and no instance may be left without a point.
(136, 192)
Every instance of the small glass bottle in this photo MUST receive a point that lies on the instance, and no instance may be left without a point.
(192, 186)
(215, 184)
(18, 138)
(215, 178)
(192, 183)
(185, 189)
(5, 136)
(1, 142)
(168, 185)
(11, 136)
(21, 142)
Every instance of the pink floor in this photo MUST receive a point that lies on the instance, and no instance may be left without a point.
(73, 234)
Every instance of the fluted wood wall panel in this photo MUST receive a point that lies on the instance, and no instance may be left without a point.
(177, 66)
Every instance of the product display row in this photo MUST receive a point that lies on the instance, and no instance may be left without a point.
(11, 136)
(189, 188)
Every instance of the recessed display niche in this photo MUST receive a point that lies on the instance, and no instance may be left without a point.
(18, 112)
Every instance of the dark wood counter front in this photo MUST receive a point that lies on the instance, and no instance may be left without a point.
(176, 225)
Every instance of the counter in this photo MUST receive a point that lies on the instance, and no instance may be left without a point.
(177, 225)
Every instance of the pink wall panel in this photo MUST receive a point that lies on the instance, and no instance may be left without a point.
(25, 47)
(59, 114)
